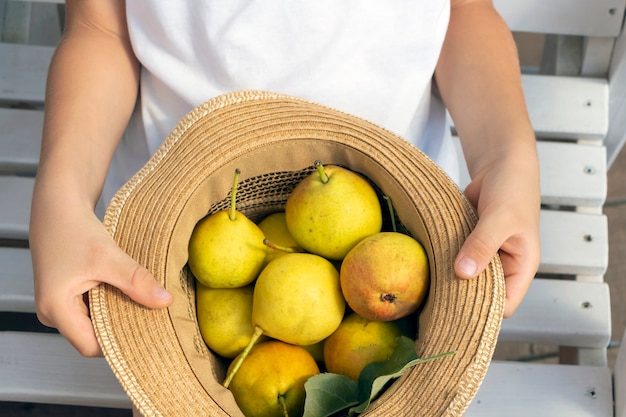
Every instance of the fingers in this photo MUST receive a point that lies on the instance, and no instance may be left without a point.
(71, 319)
(518, 249)
(136, 282)
(60, 295)
(480, 247)
(520, 269)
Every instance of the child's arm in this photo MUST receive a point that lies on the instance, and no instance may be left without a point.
(91, 92)
(479, 78)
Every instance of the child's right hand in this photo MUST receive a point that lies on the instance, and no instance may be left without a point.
(72, 252)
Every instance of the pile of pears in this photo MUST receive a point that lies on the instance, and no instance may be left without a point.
(316, 287)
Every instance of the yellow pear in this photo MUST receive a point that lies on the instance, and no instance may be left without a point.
(274, 227)
(386, 276)
(331, 210)
(226, 248)
(270, 383)
(297, 299)
(225, 318)
(358, 342)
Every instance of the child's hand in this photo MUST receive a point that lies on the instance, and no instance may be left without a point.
(73, 253)
(507, 199)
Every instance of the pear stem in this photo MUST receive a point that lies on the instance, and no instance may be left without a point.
(320, 171)
(276, 246)
(281, 400)
(258, 332)
(232, 214)
(391, 213)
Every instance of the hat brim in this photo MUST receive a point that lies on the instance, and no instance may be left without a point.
(159, 356)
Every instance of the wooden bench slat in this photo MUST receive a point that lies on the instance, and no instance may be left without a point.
(515, 389)
(45, 368)
(586, 17)
(20, 140)
(573, 243)
(23, 71)
(567, 107)
(16, 195)
(563, 313)
(572, 174)
(16, 280)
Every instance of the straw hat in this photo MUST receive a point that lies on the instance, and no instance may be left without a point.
(159, 356)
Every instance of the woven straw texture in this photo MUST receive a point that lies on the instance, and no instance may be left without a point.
(159, 356)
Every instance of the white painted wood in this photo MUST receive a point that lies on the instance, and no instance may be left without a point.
(16, 195)
(571, 108)
(566, 17)
(567, 107)
(596, 57)
(23, 70)
(16, 280)
(572, 174)
(45, 368)
(563, 313)
(20, 140)
(573, 243)
(620, 380)
(16, 24)
(616, 136)
(514, 389)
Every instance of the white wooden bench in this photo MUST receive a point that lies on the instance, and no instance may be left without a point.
(576, 117)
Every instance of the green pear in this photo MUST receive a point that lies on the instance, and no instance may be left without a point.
(274, 227)
(317, 351)
(225, 318)
(386, 276)
(331, 210)
(270, 383)
(226, 248)
(357, 343)
(297, 299)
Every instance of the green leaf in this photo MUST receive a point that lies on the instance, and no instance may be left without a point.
(375, 376)
(327, 394)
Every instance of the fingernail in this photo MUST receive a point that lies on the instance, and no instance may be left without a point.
(467, 266)
(162, 294)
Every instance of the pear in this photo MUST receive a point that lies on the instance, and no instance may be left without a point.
(225, 318)
(270, 383)
(297, 299)
(226, 248)
(317, 351)
(331, 210)
(386, 276)
(357, 343)
(274, 227)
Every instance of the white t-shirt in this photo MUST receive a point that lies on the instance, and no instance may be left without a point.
(374, 59)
